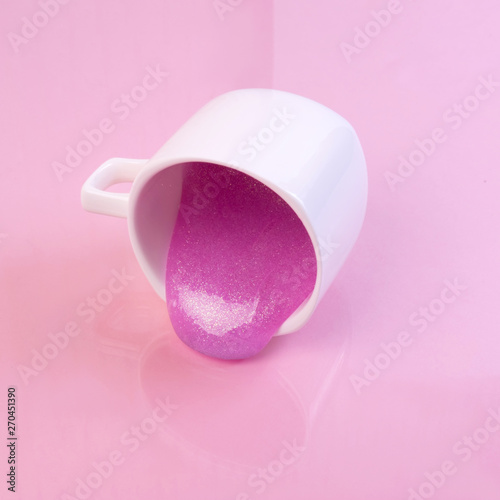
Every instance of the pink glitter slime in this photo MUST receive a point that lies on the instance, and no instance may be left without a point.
(239, 264)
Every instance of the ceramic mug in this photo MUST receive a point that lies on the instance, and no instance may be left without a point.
(305, 152)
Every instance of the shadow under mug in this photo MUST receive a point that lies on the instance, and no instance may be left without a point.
(306, 153)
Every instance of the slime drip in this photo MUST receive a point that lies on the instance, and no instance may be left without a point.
(240, 262)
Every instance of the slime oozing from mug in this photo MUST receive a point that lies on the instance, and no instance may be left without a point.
(240, 263)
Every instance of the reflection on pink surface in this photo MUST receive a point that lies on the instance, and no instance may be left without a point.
(232, 411)
(93, 419)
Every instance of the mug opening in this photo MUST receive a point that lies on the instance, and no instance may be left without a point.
(158, 206)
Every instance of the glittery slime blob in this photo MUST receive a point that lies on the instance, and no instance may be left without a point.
(239, 264)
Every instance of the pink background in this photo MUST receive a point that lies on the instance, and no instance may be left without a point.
(229, 428)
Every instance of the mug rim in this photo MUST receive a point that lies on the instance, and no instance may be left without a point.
(160, 163)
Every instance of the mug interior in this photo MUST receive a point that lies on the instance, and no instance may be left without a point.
(155, 214)
(154, 217)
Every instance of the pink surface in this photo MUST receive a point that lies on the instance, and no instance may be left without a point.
(391, 391)
(240, 262)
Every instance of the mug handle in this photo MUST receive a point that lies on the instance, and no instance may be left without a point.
(94, 196)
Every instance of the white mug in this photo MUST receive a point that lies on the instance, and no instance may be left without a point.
(305, 152)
